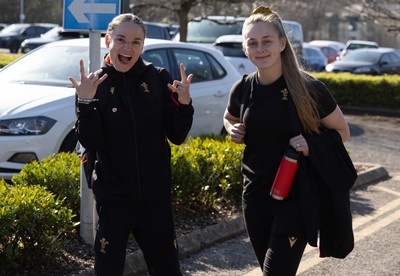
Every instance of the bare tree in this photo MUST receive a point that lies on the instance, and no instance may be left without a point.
(180, 8)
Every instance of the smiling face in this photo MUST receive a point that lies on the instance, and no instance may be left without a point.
(263, 46)
(125, 44)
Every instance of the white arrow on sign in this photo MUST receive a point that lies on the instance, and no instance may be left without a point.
(78, 9)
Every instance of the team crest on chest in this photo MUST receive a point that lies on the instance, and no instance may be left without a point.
(145, 87)
(285, 94)
(112, 89)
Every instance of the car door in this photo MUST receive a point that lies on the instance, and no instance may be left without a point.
(209, 88)
(389, 64)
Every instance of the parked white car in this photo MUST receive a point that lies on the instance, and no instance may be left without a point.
(37, 113)
(231, 47)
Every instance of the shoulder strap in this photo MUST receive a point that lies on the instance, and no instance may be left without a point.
(246, 89)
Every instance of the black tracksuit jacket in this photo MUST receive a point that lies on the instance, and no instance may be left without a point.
(128, 128)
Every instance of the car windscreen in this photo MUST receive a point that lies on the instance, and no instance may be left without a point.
(230, 49)
(364, 56)
(355, 46)
(12, 29)
(207, 31)
(49, 65)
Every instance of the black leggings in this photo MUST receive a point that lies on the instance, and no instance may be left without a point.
(277, 236)
(153, 229)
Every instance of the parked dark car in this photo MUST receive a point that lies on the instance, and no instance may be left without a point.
(2, 26)
(314, 59)
(157, 30)
(368, 61)
(12, 35)
(330, 52)
(54, 34)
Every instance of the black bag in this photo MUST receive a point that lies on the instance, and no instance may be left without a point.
(88, 164)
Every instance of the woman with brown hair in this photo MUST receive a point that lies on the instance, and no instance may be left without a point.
(277, 107)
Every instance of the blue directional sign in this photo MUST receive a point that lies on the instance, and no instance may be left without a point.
(93, 15)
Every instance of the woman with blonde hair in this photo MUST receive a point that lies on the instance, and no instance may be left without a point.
(277, 107)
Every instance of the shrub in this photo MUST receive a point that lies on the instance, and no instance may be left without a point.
(6, 59)
(59, 173)
(206, 172)
(32, 224)
(379, 92)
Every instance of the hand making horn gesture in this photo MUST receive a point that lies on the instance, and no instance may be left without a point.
(86, 88)
(182, 87)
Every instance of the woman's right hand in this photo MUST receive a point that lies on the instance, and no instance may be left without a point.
(86, 88)
(238, 131)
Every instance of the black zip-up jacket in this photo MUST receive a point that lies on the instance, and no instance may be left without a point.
(128, 129)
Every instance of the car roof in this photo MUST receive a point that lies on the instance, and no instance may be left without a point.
(224, 18)
(366, 42)
(229, 38)
(377, 50)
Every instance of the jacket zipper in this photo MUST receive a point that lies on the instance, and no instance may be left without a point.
(135, 142)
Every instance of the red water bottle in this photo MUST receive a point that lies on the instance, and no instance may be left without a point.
(285, 174)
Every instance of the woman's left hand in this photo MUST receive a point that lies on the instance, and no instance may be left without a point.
(299, 143)
(182, 87)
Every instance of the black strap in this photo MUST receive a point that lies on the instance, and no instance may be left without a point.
(246, 89)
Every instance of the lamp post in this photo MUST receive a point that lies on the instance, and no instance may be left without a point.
(21, 11)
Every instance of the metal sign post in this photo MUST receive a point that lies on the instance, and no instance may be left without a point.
(92, 16)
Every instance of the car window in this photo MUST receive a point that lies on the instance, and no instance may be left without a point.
(202, 65)
(157, 58)
(362, 56)
(195, 63)
(154, 31)
(355, 46)
(394, 58)
(310, 52)
(30, 31)
(386, 58)
(231, 49)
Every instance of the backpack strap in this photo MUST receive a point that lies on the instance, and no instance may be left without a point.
(245, 95)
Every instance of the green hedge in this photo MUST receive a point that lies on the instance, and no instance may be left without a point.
(206, 172)
(380, 92)
(6, 59)
(59, 173)
(33, 224)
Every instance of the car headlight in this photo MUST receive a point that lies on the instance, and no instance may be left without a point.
(329, 68)
(26, 126)
(363, 70)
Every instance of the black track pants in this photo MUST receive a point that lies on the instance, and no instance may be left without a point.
(277, 237)
(153, 229)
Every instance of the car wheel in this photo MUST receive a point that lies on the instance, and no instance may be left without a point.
(70, 143)
(14, 47)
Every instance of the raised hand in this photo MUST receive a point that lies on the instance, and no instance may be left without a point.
(86, 88)
(182, 87)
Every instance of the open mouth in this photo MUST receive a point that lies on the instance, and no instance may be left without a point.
(124, 59)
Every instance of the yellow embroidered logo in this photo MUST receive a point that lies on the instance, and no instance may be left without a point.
(103, 244)
(292, 240)
(176, 247)
(145, 87)
(112, 90)
(285, 93)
